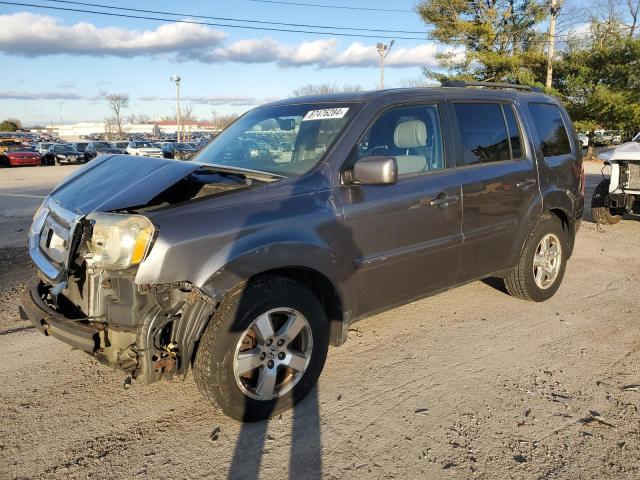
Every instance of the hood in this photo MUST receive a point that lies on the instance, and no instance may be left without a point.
(118, 182)
(626, 151)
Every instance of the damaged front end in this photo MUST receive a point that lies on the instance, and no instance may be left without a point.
(624, 185)
(88, 240)
(144, 330)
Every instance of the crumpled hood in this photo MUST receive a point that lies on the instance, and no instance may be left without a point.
(626, 151)
(118, 182)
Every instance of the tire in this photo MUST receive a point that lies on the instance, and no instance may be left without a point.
(600, 212)
(215, 362)
(521, 281)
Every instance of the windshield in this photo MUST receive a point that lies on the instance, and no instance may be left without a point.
(101, 145)
(636, 138)
(20, 148)
(62, 148)
(286, 140)
(184, 146)
(143, 145)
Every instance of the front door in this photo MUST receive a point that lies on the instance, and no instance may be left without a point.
(407, 235)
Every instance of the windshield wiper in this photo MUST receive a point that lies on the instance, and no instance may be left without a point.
(249, 172)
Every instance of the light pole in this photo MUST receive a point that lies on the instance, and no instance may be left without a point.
(176, 78)
(552, 41)
(383, 50)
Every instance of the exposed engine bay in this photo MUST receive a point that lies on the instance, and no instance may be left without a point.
(624, 186)
(86, 293)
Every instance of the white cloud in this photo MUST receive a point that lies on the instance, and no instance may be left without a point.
(12, 95)
(30, 35)
(26, 34)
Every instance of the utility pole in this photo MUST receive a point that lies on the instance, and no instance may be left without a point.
(176, 78)
(383, 51)
(552, 41)
(60, 113)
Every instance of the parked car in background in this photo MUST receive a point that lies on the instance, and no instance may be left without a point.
(80, 146)
(19, 155)
(99, 148)
(8, 142)
(179, 151)
(246, 264)
(62, 153)
(583, 138)
(43, 147)
(120, 144)
(143, 148)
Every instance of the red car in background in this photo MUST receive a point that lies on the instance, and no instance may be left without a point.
(18, 155)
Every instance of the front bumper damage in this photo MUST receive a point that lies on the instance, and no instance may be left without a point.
(157, 342)
(147, 331)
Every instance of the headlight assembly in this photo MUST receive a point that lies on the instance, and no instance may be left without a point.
(119, 241)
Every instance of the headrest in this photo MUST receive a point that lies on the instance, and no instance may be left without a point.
(410, 134)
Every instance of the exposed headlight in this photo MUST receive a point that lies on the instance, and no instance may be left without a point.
(119, 241)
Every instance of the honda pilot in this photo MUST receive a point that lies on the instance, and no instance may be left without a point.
(246, 262)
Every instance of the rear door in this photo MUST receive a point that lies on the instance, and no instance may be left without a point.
(407, 235)
(499, 179)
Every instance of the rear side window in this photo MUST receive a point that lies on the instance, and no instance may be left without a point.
(553, 135)
(488, 132)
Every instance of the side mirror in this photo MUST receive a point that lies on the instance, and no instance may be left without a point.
(375, 170)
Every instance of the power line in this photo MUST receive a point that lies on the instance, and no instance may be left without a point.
(193, 22)
(341, 7)
(228, 19)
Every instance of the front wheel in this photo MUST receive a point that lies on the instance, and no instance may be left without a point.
(542, 263)
(599, 210)
(263, 350)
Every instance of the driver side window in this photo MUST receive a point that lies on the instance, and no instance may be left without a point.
(411, 134)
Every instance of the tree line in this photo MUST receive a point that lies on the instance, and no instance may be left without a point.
(596, 69)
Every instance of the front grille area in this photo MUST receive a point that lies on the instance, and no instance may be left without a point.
(634, 175)
(51, 238)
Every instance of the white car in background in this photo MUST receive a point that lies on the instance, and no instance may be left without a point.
(584, 140)
(142, 148)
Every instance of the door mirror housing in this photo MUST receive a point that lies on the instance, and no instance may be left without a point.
(374, 170)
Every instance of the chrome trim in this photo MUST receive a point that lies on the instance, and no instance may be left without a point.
(60, 223)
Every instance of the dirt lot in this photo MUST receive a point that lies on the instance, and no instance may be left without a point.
(467, 384)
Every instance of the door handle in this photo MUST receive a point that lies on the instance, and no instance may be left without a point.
(526, 183)
(443, 201)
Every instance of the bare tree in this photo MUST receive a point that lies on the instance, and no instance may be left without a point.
(117, 103)
(324, 89)
(634, 14)
(187, 116)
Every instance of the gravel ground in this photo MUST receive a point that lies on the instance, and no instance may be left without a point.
(470, 383)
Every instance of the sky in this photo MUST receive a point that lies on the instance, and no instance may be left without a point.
(60, 64)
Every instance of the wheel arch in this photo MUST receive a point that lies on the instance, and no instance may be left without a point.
(324, 289)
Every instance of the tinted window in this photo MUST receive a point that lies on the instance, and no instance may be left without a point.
(483, 132)
(551, 130)
(410, 134)
(514, 131)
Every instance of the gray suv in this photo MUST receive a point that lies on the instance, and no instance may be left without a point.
(305, 215)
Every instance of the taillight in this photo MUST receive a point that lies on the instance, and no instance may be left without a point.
(582, 180)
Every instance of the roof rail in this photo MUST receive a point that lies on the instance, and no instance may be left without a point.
(464, 84)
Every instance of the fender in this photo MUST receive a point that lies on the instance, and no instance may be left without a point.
(255, 254)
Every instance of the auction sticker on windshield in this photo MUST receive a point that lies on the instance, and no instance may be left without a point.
(325, 113)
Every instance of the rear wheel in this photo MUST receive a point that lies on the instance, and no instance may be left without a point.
(263, 350)
(542, 263)
(600, 212)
